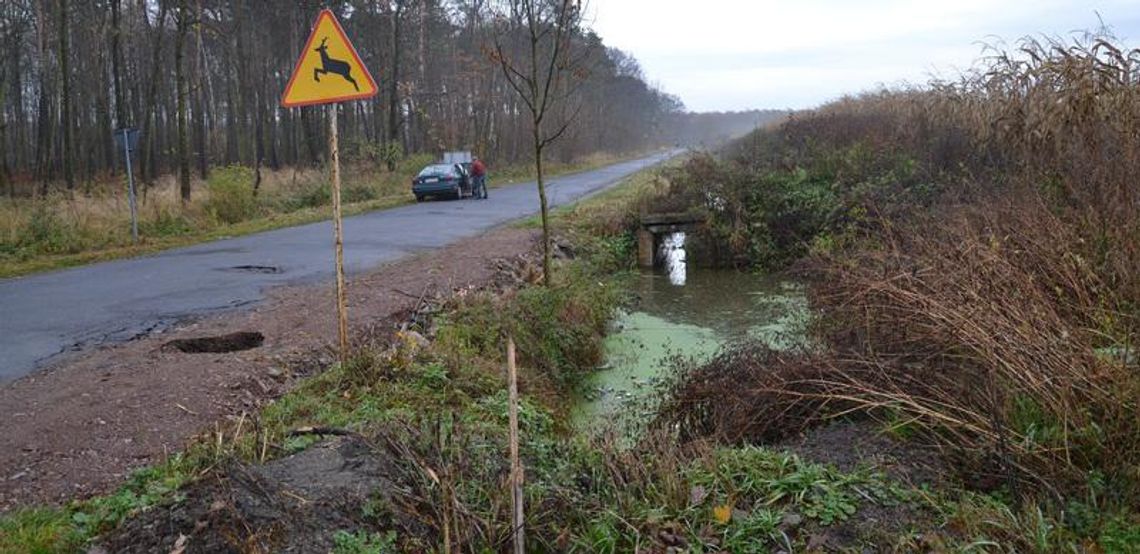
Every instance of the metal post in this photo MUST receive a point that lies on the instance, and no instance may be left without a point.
(341, 300)
(131, 188)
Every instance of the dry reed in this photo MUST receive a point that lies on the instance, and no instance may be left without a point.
(999, 324)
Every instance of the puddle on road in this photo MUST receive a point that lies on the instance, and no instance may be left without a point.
(689, 312)
(263, 269)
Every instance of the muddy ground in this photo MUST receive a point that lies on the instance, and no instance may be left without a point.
(850, 445)
(79, 427)
(293, 504)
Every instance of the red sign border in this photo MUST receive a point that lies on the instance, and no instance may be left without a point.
(351, 49)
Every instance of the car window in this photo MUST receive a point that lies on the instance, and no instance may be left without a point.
(437, 170)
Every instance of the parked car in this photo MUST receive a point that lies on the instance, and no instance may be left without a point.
(442, 179)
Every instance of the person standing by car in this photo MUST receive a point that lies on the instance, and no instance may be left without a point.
(479, 174)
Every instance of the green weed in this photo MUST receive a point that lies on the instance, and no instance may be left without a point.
(231, 194)
(363, 542)
(66, 529)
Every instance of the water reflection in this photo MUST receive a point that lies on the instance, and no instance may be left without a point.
(672, 253)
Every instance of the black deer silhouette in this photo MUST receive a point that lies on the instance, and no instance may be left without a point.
(329, 65)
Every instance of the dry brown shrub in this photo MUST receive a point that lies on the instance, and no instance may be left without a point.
(1001, 316)
(977, 329)
(1000, 323)
(748, 394)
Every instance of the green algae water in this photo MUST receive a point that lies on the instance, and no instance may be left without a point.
(691, 313)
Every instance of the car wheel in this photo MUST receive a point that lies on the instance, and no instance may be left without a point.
(419, 198)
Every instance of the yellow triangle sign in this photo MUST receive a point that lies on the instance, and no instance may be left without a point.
(329, 69)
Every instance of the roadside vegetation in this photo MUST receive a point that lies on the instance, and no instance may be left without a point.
(434, 412)
(970, 251)
(971, 248)
(420, 415)
(65, 229)
(398, 391)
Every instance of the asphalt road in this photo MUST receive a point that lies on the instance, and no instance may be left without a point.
(42, 316)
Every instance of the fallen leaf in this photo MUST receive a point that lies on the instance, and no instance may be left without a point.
(723, 513)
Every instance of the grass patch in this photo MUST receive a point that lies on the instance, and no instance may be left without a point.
(735, 499)
(363, 542)
(68, 528)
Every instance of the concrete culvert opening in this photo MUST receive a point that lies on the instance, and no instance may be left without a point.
(233, 342)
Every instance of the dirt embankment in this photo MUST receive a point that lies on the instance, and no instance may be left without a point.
(288, 505)
(79, 428)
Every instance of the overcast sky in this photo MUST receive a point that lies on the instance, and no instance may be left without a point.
(739, 54)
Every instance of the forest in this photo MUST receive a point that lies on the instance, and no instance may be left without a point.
(201, 80)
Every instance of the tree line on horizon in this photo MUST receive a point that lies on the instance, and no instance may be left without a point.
(202, 79)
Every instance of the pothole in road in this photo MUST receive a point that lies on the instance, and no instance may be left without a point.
(267, 269)
(233, 342)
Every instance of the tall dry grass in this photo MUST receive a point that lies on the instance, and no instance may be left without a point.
(97, 219)
(988, 331)
(998, 323)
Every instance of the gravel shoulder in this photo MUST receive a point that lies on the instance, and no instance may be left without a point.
(79, 427)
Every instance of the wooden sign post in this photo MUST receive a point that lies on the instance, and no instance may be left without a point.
(517, 520)
(338, 230)
(344, 78)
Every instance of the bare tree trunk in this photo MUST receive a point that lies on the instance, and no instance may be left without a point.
(65, 98)
(538, 111)
(393, 84)
(198, 105)
(43, 134)
(180, 100)
(147, 161)
(416, 115)
(257, 91)
(102, 135)
(233, 154)
(5, 177)
(19, 146)
(117, 65)
(548, 28)
(544, 211)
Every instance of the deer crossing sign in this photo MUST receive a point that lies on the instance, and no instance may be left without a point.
(329, 69)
